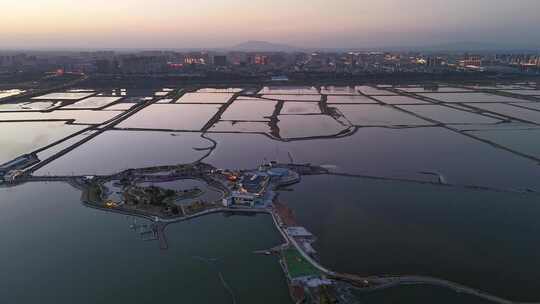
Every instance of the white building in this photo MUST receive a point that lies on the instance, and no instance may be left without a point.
(299, 232)
(248, 200)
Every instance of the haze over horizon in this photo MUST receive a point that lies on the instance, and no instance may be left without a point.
(58, 24)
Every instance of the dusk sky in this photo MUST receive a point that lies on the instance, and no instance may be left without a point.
(303, 23)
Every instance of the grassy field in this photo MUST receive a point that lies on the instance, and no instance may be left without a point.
(298, 266)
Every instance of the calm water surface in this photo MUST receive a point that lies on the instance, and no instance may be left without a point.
(417, 295)
(387, 152)
(486, 240)
(115, 151)
(57, 251)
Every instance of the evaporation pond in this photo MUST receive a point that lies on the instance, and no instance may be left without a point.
(172, 117)
(115, 151)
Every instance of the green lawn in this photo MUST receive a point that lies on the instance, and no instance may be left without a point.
(298, 266)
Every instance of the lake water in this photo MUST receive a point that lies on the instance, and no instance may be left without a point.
(487, 240)
(58, 251)
(55, 250)
(417, 295)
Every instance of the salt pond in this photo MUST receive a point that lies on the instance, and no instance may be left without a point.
(115, 151)
(171, 117)
(18, 138)
(377, 115)
(93, 103)
(65, 96)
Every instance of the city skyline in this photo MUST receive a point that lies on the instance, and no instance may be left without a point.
(55, 24)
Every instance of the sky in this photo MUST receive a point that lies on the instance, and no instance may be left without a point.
(301, 23)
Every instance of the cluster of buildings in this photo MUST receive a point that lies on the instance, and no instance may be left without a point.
(48, 62)
(140, 190)
(255, 189)
(502, 63)
(262, 63)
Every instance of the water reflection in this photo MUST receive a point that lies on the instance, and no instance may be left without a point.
(89, 256)
(172, 117)
(470, 97)
(449, 115)
(93, 103)
(65, 96)
(205, 98)
(378, 115)
(374, 227)
(115, 151)
(18, 138)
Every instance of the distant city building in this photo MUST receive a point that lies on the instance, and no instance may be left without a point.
(258, 59)
(262, 60)
(106, 66)
(264, 65)
(142, 64)
(471, 60)
(196, 58)
(434, 61)
(220, 60)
